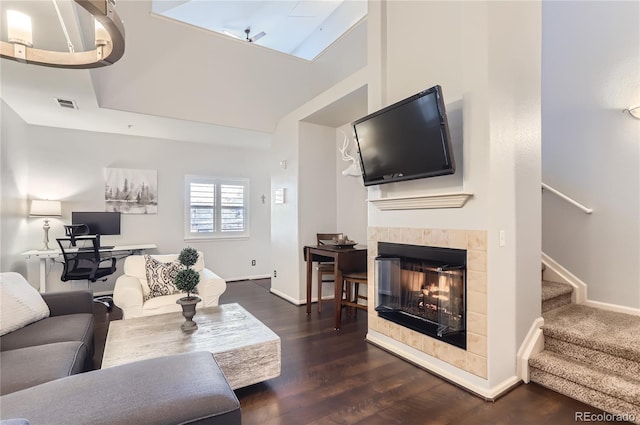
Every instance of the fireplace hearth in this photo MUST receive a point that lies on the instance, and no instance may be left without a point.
(424, 289)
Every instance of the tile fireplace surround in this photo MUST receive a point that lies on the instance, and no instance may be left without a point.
(474, 358)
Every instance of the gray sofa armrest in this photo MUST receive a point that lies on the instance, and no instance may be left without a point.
(180, 389)
(69, 302)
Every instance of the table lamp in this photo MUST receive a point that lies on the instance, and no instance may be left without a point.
(45, 208)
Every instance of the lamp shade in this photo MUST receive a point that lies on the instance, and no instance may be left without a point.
(19, 28)
(45, 208)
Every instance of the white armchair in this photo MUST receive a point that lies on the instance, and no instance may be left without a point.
(132, 287)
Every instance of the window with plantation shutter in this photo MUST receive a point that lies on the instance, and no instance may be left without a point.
(216, 207)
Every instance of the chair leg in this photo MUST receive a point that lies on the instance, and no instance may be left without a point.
(355, 298)
(346, 295)
(319, 292)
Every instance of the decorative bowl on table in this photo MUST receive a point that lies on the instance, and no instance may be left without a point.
(345, 243)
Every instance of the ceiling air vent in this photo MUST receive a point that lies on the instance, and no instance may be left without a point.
(66, 103)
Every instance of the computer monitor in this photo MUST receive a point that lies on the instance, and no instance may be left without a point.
(98, 222)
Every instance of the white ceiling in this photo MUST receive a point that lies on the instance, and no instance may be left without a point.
(164, 88)
(303, 28)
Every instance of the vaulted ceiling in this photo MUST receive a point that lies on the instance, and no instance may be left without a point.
(180, 82)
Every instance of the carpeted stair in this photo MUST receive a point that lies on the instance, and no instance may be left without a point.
(555, 294)
(591, 355)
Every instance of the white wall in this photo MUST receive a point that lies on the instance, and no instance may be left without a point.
(286, 251)
(317, 183)
(69, 165)
(591, 150)
(486, 56)
(295, 223)
(351, 194)
(13, 191)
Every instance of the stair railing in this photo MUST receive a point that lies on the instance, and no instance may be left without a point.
(566, 198)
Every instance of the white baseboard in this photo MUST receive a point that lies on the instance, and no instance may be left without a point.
(533, 343)
(257, 276)
(295, 301)
(613, 307)
(458, 379)
(287, 297)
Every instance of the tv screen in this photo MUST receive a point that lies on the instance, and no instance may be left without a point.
(100, 223)
(407, 140)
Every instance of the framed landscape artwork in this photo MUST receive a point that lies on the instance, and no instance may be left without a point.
(131, 191)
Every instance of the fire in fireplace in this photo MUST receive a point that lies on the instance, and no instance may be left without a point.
(423, 288)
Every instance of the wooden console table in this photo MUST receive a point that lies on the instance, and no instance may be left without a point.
(344, 259)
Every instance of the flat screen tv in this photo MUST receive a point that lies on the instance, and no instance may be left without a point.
(405, 141)
(99, 223)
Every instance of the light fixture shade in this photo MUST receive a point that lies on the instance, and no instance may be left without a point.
(109, 40)
(19, 28)
(102, 36)
(45, 208)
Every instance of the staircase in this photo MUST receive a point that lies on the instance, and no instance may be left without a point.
(590, 354)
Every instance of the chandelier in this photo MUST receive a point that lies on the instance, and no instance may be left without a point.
(109, 39)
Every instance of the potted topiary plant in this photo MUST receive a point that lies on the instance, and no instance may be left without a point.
(186, 280)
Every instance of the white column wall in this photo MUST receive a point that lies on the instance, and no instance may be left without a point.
(14, 182)
(491, 88)
(295, 223)
(351, 203)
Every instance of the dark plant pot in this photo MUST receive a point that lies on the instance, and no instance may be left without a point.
(188, 311)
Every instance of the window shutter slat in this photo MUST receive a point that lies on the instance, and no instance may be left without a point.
(216, 206)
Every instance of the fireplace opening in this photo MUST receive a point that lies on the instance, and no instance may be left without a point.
(423, 288)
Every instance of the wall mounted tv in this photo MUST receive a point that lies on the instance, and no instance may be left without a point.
(99, 222)
(405, 141)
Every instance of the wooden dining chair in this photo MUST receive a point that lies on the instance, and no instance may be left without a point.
(325, 268)
(352, 299)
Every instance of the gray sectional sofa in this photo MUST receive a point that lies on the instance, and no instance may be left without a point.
(181, 389)
(41, 380)
(51, 348)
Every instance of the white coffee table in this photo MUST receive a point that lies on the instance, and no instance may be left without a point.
(246, 350)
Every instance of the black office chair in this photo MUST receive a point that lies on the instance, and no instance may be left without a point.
(84, 262)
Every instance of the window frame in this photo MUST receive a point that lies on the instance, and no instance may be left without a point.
(217, 182)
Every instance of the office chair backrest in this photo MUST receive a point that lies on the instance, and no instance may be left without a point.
(74, 230)
(82, 263)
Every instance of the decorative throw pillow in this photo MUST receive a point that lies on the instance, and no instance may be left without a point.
(160, 276)
(21, 303)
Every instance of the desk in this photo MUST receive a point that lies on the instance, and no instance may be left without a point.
(344, 260)
(44, 255)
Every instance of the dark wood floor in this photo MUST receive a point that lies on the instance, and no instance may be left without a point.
(331, 377)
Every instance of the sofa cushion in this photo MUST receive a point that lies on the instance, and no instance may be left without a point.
(70, 327)
(30, 366)
(181, 389)
(21, 303)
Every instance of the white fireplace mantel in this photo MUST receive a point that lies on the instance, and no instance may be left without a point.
(416, 202)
